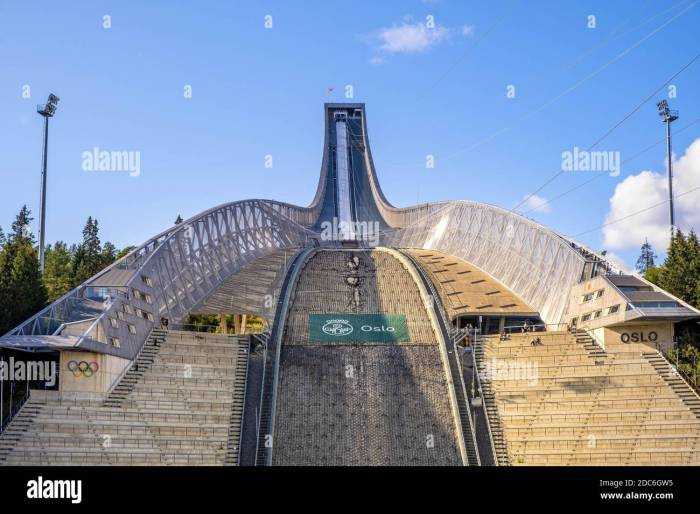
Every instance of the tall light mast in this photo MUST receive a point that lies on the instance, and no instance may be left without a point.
(47, 111)
(668, 116)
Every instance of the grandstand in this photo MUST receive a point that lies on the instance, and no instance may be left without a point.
(179, 404)
(447, 333)
(562, 404)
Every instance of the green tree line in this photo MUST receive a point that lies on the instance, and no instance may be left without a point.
(23, 289)
(679, 274)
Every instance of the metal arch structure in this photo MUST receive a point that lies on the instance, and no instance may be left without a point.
(537, 264)
(176, 271)
(167, 276)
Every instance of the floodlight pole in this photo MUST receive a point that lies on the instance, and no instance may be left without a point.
(670, 174)
(42, 213)
(668, 116)
(47, 111)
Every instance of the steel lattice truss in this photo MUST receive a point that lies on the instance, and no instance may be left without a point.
(169, 275)
(537, 264)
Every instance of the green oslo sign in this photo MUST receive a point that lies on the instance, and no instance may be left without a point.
(358, 328)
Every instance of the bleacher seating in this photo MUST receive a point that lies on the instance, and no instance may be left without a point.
(181, 408)
(559, 403)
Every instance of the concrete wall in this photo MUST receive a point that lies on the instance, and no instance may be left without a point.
(108, 369)
(649, 334)
(611, 296)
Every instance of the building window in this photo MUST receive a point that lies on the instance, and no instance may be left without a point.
(149, 300)
(137, 294)
(139, 313)
(132, 328)
(586, 317)
(588, 297)
(149, 316)
(613, 309)
(113, 323)
(599, 293)
(120, 315)
(127, 308)
(597, 314)
(114, 341)
(147, 280)
(656, 305)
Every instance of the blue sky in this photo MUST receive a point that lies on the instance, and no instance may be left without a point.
(259, 91)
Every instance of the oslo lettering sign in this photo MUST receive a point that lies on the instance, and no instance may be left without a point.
(358, 328)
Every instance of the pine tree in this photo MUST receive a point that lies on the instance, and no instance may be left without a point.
(6, 317)
(646, 259)
(27, 283)
(693, 264)
(178, 220)
(88, 257)
(108, 255)
(57, 270)
(22, 291)
(20, 227)
(3, 239)
(677, 275)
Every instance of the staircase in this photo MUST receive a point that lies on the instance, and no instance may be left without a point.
(266, 407)
(181, 403)
(674, 380)
(140, 366)
(563, 401)
(489, 405)
(18, 428)
(594, 350)
(463, 406)
(237, 407)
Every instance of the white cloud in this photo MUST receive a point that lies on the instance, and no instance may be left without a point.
(535, 203)
(410, 38)
(648, 188)
(376, 61)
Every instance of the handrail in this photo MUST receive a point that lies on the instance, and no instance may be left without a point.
(692, 384)
(245, 392)
(292, 276)
(481, 393)
(439, 308)
(258, 414)
(531, 328)
(4, 423)
(127, 368)
(466, 400)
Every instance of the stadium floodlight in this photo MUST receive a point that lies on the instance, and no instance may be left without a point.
(668, 116)
(47, 111)
(49, 108)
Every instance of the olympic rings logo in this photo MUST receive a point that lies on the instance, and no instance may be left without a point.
(84, 368)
